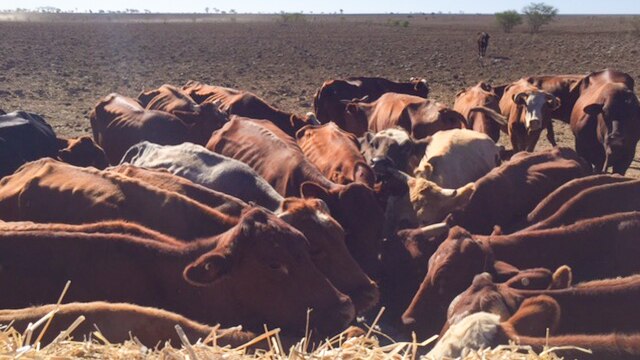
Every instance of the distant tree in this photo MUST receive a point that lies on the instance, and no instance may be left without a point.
(508, 20)
(206, 10)
(341, 11)
(232, 11)
(539, 14)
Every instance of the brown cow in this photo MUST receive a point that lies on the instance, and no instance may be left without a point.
(246, 104)
(278, 159)
(82, 195)
(484, 330)
(119, 322)
(528, 111)
(327, 101)
(483, 43)
(479, 105)
(258, 272)
(310, 216)
(550, 204)
(519, 184)
(419, 116)
(118, 122)
(336, 153)
(175, 101)
(559, 86)
(591, 307)
(593, 202)
(608, 247)
(606, 120)
(102, 227)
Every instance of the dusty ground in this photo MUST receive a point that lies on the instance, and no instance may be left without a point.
(61, 68)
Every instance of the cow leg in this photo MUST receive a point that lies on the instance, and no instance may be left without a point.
(551, 135)
(532, 140)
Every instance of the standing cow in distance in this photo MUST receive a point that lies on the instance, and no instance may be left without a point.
(483, 43)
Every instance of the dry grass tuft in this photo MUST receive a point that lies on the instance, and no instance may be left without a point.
(15, 345)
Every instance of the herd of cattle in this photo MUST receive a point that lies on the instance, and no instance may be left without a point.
(216, 207)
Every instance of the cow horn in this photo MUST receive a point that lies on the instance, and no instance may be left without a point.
(449, 192)
(434, 229)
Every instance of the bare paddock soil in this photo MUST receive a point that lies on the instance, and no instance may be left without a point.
(60, 66)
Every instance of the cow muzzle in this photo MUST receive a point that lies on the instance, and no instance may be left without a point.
(382, 164)
(534, 124)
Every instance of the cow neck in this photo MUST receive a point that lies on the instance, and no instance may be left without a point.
(212, 304)
(308, 172)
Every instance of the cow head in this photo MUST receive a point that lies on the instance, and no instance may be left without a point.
(328, 249)
(420, 86)
(202, 120)
(537, 105)
(82, 152)
(431, 117)
(450, 271)
(392, 149)
(618, 126)
(354, 119)
(433, 203)
(327, 100)
(355, 207)
(266, 266)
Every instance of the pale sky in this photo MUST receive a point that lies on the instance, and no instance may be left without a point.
(330, 6)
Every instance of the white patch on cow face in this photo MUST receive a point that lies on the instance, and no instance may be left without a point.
(400, 136)
(535, 103)
(474, 332)
(323, 218)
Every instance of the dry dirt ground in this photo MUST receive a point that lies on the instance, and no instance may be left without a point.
(61, 66)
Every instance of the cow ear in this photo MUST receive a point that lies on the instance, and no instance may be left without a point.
(593, 109)
(207, 269)
(309, 189)
(520, 98)
(351, 108)
(424, 171)
(562, 278)
(535, 316)
(362, 171)
(553, 101)
(302, 132)
(368, 136)
(146, 96)
(504, 271)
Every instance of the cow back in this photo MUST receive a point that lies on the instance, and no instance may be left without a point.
(24, 137)
(508, 193)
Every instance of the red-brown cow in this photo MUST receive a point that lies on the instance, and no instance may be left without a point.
(479, 105)
(528, 111)
(419, 116)
(559, 86)
(336, 153)
(246, 104)
(118, 122)
(119, 322)
(607, 247)
(519, 184)
(83, 195)
(550, 204)
(591, 307)
(170, 99)
(310, 216)
(484, 330)
(258, 272)
(327, 102)
(102, 227)
(606, 120)
(278, 159)
(593, 202)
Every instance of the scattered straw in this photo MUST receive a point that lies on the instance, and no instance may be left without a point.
(14, 345)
